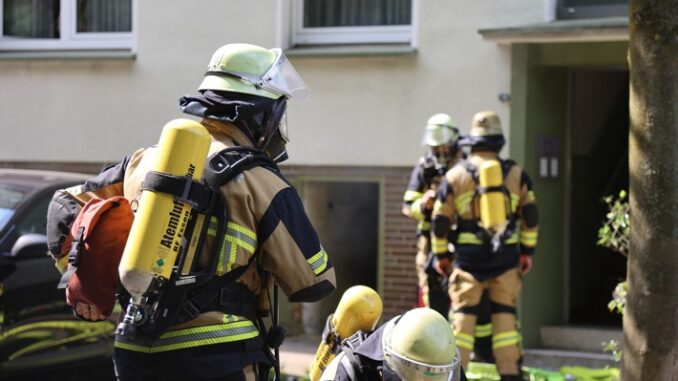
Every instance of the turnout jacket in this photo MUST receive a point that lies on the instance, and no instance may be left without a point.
(457, 200)
(425, 175)
(266, 217)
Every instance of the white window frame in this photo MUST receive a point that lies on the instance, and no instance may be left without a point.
(70, 38)
(388, 34)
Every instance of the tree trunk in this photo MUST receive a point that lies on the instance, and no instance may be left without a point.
(651, 317)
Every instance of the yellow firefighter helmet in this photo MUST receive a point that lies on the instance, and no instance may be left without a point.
(420, 345)
(251, 69)
(485, 132)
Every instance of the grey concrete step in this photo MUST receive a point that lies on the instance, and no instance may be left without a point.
(585, 339)
(554, 359)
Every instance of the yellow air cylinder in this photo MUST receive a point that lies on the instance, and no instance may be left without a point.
(155, 238)
(359, 309)
(492, 201)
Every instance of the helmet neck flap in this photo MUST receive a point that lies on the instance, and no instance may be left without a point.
(259, 118)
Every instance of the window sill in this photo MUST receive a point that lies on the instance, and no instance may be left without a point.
(350, 50)
(30, 55)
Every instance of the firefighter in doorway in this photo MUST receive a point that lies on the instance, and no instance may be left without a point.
(492, 202)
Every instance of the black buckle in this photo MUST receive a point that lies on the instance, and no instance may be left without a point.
(76, 247)
(190, 310)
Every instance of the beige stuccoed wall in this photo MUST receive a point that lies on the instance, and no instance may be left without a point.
(364, 110)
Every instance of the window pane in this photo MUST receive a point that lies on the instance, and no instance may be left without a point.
(34, 220)
(104, 16)
(333, 13)
(31, 18)
(10, 197)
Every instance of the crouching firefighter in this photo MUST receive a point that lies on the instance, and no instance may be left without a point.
(494, 205)
(417, 345)
(213, 237)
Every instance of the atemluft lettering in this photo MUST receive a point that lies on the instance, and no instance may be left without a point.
(173, 229)
(170, 231)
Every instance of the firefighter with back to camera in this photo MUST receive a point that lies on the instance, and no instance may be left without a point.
(493, 204)
(262, 235)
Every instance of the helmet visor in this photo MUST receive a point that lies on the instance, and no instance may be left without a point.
(436, 135)
(423, 371)
(282, 128)
(282, 79)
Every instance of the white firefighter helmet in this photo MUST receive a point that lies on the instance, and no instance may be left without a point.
(440, 131)
(251, 69)
(420, 345)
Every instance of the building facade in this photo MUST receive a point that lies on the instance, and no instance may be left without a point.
(83, 84)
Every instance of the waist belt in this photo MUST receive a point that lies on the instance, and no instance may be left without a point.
(222, 295)
(484, 237)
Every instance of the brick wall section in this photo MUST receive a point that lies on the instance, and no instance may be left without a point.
(399, 244)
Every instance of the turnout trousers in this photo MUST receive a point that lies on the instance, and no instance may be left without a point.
(466, 293)
(432, 286)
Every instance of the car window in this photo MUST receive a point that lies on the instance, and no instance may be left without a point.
(10, 197)
(34, 219)
(5, 215)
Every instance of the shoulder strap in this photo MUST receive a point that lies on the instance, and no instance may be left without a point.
(470, 168)
(506, 165)
(223, 167)
(360, 368)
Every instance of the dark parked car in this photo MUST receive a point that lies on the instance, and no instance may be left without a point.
(39, 336)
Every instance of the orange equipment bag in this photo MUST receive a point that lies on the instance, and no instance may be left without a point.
(97, 239)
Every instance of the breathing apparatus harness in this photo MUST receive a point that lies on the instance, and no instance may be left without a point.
(191, 290)
(494, 241)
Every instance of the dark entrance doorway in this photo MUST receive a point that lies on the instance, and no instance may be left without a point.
(346, 217)
(599, 127)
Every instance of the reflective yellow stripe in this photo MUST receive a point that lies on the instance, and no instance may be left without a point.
(194, 337)
(469, 239)
(318, 262)
(465, 340)
(236, 236)
(411, 195)
(528, 234)
(484, 330)
(530, 196)
(242, 232)
(227, 256)
(528, 238)
(463, 202)
(415, 210)
(424, 225)
(243, 240)
(439, 245)
(506, 339)
(512, 239)
(212, 229)
(515, 201)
